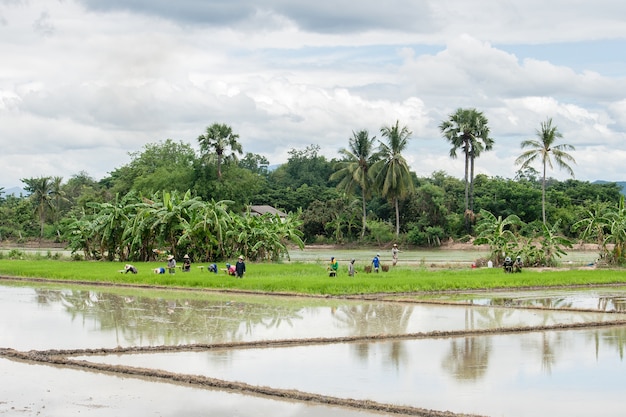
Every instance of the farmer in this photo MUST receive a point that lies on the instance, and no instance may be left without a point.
(333, 267)
(240, 267)
(186, 263)
(508, 264)
(213, 268)
(394, 253)
(159, 270)
(517, 265)
(376, 262)
(130, 268)
(171, 264)
(351, 270)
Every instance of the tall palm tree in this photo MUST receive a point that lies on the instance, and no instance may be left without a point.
(40, 190)
(467, 129)
(391, 172)
(219, 138)
(541, 148)
(354, 170)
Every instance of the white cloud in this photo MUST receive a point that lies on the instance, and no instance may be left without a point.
(87, 82)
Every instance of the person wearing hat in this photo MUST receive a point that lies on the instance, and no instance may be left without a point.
(517, 265)
(376, 262)
(508, 264)
(351, 270)
(333, 267)
(240, 267)
(171, 264)
(394, 254)
(186, 263)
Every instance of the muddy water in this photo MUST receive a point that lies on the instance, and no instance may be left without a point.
(474, 355)
(486, 375)
(38, 390)
(608, 298)
(79, 317)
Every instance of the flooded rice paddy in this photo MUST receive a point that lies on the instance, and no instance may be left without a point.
(66, 350)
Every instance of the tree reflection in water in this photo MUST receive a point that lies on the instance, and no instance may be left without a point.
(376, 319)
(614, 303)
(139, 320)
(468, 358)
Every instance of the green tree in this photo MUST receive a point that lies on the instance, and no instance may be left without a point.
(353, 172)
(498, 233)
(166, 165)
(59, 199)
(467, 129)
(40, 190)
(205, 229)
(391, 171)
(169, 212)
(303, 167)
(256, 163)
(552, 244)
(216, 142)
(607, 224)
(109, 225)
(540, 149)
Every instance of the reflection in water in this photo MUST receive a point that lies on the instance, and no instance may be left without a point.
(490, 375)
(486, 375)
(468, 358)
(140, 320)
(375, 319)
(607, 299)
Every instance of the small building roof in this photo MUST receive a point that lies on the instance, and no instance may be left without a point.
(263, 209)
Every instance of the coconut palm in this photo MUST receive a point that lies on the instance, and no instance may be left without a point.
(354, 170)
(467, 129)
(40, 190)
(219, 138)
(540, 149)
(391, 172)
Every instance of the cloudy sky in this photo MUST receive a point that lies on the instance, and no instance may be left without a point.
(85, 82)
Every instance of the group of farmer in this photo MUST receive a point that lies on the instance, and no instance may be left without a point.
(238, 269)
(510, 266)
(375, 266)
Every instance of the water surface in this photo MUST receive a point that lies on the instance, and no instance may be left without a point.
(44, 317)
(568, 373)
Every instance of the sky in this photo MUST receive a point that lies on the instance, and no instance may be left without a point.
(83, 83)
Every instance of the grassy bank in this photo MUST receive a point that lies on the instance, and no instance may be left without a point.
(310, 278)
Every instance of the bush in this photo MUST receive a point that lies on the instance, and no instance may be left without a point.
(15, 254)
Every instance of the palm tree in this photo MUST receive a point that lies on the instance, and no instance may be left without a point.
(40, 190)
(219, 138)
(467, 129)
(541, 148)
(391, 172)
(354, 171)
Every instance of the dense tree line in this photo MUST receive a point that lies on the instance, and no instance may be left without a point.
(171, 197)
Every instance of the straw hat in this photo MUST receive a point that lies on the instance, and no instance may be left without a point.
(169, 258)
(240, 257)
(186, 256)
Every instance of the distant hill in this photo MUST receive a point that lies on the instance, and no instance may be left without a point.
(16, 191)
(620, 183)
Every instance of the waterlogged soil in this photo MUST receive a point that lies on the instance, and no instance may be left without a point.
(609, 298)
(111, 351)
